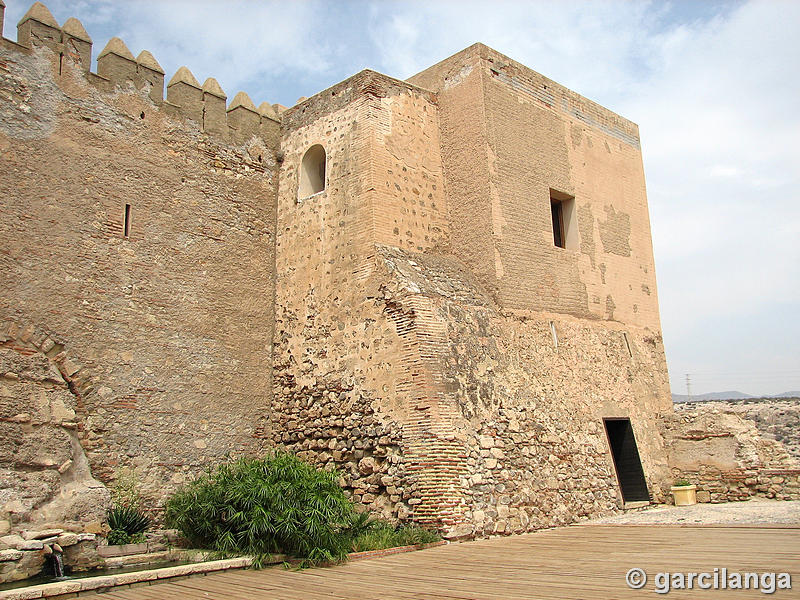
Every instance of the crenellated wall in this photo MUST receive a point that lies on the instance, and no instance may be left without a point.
(137, 260)
(117, 68)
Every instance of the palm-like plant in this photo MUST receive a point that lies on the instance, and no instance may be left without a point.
(259, 507)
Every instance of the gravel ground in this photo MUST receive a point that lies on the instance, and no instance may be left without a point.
(758, 511)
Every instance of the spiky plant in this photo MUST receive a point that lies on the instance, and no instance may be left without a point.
(362, 522)
(278, 504)
(382, 534)
(128, 519)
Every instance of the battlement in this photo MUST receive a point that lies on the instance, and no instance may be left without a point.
(204, 104)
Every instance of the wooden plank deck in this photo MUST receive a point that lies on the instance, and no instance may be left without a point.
(568, 563)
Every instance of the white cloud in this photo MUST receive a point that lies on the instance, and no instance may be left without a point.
(724, 171)
(720, 128)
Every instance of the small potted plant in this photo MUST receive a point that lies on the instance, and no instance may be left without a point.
(684, 493)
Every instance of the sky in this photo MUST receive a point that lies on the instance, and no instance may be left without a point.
(714, 87)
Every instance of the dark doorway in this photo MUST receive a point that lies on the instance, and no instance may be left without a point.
(626, 460)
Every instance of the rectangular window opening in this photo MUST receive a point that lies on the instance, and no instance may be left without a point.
(126, 225)
(562, 213)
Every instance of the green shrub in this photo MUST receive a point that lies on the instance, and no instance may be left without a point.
(362, 522)
(278, 504)
(383, 534)
(682, 482)
(117, 537)
(128, 519)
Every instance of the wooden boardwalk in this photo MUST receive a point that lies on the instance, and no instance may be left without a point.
(584, 562)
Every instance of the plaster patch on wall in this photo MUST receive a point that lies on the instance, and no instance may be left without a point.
(458, 77)
(26, 86)
(33, 102)
(498, 221)
(576, 133)
(498, 263)
(615, 232)
(586, 231)
(610, 306)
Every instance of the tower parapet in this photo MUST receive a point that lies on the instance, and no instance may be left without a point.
(270, 122)
(149, 72)
(215, 102)
(2, 16)
(116, 63)
(243, 118)
(184, 90)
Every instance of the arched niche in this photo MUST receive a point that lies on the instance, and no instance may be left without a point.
(312, 172)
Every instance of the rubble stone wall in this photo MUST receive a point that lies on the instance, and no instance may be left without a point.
(716, 448)
(775, 418)
(528, 414)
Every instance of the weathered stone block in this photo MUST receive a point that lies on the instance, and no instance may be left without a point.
(10, 555)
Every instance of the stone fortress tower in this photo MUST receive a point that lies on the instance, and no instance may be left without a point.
(475, 274)
(443, 287)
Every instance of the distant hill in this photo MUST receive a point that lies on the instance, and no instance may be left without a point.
(732, 395)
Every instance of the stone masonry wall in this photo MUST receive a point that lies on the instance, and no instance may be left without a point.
(43, 467)
(464, 142)
(526, 414)
(775, 418)
(168, 329)
(475, 421)
(716, 448)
